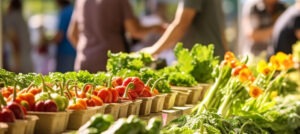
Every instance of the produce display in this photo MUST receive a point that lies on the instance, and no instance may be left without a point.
(132, 125)
(227, 96)
(239, 102)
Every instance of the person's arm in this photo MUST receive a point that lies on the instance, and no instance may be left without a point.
(261, 35)
(73, 32)
(255, 34)
(133, 26)
(176, 30)
(138, 31)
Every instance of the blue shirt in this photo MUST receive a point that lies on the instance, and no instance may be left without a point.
(65, 47)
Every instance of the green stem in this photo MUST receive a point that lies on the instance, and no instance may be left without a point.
(91, 91)
(43, 83)
(270, 77)
(220, 80)
(61, 89)
(201, 127)
(148, 82)
(67, 87)
(74, 100)
(29, 87)
(3, 102)
(5, 82)
(49, 95)
(66, 84)
(49, 88)
(84, 86)
(109, 85)
(225, 105)
(15, 92)
(211, 93)
(76, 91)
(155, 83)
(68, 95)
(129, 86)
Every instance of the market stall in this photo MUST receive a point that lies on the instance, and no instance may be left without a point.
(199, 94)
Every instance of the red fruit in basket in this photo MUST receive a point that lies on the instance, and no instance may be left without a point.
(6, 115)
(87, 88)
(40, 106)
(117, 81)
(138, 83)
(115, 95)
(90, 103)
(98, 101)
(17, 110)
(105, 95)
(121, 90)
(145, 93)
(50, 106)
(133, 95)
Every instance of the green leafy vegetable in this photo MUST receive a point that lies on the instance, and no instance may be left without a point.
(199, 61)
(132, 61)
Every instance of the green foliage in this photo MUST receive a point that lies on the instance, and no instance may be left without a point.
(212, 123)
(199, 61)
(162, 86)
(132, 61)
(24, 80)
(177, 78)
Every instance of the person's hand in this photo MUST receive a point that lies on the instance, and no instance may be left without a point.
(149, 50)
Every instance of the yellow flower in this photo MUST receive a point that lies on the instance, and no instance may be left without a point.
(274, 62)
(274, 94)
(245, 75)
(261, 65)
(255, 91)
(282, 61)
(236, 70)
(288, 63)
(229, 56)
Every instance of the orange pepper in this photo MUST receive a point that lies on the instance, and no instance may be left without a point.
(82, 95)
(84, 90)
(77, 104)
(7, 91)
(93, 101)
(29, 97)
(98, 101)
(97, 88)
(35, 91)
(155, 92)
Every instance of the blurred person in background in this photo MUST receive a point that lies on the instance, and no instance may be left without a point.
(17, 34)
(99, 26)
(258, 18)
(196, 21)
(65, 54)
(286, 30)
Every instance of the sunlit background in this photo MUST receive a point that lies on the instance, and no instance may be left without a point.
(44, 13)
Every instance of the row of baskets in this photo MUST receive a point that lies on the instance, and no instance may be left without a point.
(58, 122)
